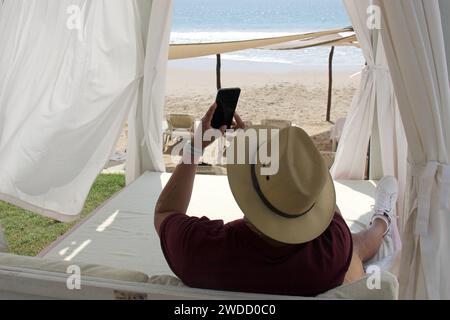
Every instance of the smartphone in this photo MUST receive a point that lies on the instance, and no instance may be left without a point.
(227, 101)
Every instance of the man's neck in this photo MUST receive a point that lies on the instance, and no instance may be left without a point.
(270, 241)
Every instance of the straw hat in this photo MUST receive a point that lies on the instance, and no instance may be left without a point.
(294, 205)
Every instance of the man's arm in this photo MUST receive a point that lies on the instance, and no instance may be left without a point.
(176, 196)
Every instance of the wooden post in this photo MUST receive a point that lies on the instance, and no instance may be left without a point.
(218, 72)
(330, 85)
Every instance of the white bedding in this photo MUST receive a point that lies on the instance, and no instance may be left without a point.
(121, 234)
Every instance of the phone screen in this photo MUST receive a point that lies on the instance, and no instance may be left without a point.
(227, 101)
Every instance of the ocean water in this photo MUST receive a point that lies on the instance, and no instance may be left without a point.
(227, 20)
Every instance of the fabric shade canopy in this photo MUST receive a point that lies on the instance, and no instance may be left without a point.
(65, 94)
(337, 39)
(413, 39)
(299, 41)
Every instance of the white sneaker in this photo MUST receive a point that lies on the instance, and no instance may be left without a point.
(385, 201)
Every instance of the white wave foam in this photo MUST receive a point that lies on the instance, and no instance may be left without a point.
(215, 36)
(253, 58)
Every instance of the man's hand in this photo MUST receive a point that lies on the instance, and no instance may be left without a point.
(238, 123)
(214, 133)
(206, 126)
(175, 197)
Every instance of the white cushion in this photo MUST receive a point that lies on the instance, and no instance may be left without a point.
(359, 290)
(89, 270)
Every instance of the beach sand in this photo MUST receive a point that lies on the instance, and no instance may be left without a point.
(269, 91)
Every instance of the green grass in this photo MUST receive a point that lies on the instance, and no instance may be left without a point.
(28, 233)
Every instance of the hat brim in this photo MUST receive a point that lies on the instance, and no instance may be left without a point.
(286, 230)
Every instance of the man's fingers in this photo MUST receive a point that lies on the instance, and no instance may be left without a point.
(223, 129)
(209, 115)
(216, 133)
(239, 122)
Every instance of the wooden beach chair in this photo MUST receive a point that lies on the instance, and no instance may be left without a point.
(276, 123)
(336, 133)
(178, 126)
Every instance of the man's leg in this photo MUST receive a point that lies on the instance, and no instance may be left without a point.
(365, 245)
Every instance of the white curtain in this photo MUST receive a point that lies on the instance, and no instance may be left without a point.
(444, 6)
(375, 93)
(350, 162)
(375, 89)
(413, 39)
(145, 143)
(70, 72)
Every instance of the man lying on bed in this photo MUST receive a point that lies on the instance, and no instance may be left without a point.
(293, 239)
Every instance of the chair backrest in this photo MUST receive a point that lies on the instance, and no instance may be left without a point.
(181, 121)
(338, 128)
(276, 123)
(336, 133)
(329, 158)
(248, 124)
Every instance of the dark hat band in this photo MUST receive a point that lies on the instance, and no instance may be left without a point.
(258, 190)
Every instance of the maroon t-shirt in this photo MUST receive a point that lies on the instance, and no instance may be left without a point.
(213, 255)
